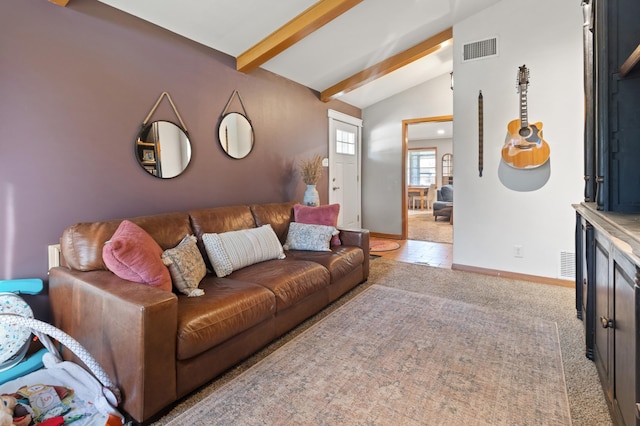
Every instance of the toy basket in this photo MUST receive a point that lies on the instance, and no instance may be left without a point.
(62, 390)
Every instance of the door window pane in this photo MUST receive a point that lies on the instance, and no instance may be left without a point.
(345, 142)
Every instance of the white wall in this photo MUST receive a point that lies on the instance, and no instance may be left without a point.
(489, 218)
(382, 190)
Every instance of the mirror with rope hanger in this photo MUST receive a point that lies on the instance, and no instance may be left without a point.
(163, 148)
(235, 131)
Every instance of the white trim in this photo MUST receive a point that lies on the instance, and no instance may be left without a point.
(340, 116)
(357, 122)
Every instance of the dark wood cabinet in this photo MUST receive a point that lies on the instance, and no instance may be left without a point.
(603, 298)
(608, 302)
(585, 244)
(622, 328)
(612, 92)
(607, 222)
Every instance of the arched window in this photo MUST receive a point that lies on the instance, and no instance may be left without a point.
(447, 169)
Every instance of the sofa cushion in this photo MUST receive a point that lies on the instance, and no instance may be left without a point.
(227, 308)
(290, 280)
(221, 219)
(321, 215)
(217, 220)
(303, 236)
(230, 251)
(133, 255)
(278, 215)
(186, 266)
(340, 261)
(81, 244)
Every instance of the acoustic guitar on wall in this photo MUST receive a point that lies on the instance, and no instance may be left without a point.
(524, 147)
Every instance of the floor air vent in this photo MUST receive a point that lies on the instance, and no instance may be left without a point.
(480, 49)
(567, 265)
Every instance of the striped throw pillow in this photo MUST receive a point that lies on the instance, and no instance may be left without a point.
(230, 251)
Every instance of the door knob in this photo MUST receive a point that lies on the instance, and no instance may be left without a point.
(336, 187)
(606, 323)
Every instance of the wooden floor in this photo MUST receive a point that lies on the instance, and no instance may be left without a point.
(433, 254)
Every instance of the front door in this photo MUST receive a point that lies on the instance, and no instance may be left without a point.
(344, 167)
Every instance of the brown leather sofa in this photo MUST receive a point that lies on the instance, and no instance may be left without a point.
(158, 346)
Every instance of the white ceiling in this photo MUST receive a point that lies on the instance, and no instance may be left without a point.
(363, 36)
(430, 130)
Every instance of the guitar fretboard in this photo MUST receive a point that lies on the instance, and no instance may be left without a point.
(523, 109)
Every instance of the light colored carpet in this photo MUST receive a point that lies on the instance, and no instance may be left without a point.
(391, 356)
(423, 227)
(522, 299)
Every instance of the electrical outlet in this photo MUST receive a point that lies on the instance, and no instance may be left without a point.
(518, 251)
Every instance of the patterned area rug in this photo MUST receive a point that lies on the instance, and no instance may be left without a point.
(423, 227)
(391, 356)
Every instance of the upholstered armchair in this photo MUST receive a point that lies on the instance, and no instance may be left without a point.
(444, 204)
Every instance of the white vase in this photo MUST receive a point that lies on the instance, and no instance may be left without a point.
(311, 196)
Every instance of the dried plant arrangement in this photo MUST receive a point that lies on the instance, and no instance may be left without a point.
(311, 170)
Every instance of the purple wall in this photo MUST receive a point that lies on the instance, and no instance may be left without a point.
(76, 84)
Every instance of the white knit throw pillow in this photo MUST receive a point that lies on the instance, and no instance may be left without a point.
(230, 251)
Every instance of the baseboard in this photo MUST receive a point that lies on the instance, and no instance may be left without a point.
(514, 275)
(389, 236)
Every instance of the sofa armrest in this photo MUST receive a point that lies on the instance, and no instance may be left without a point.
(358, 238)
(130, 329)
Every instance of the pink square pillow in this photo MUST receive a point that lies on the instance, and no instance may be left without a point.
(321, 215)
(133, 255)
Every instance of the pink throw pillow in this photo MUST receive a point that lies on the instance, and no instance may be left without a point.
(132, 254)
(321, 215)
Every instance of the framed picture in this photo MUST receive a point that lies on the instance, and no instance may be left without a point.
(148, 155)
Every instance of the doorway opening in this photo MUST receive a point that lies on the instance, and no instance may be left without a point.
(425, 143)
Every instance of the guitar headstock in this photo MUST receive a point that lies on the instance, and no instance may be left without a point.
(523, 79)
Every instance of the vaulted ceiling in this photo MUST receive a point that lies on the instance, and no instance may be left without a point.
(359, 51)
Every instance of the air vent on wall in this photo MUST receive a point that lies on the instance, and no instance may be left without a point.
(480, 49)
(567, 265)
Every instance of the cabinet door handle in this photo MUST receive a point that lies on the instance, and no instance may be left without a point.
(606, 323)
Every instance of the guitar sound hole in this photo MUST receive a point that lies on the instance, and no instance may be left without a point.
(525, 132)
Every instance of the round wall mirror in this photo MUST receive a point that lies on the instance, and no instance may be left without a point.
(163, 149)
(235, 134)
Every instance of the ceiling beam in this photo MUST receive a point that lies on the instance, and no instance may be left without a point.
(387, 66)
(293, 31)
(60, 2)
